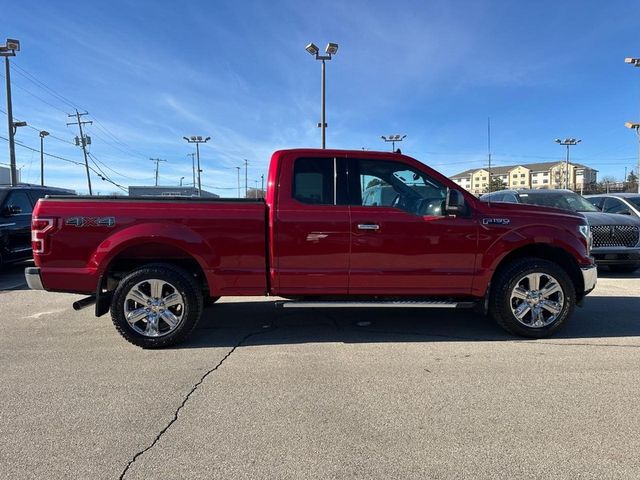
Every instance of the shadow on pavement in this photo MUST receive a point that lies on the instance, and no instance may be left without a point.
(222, 324)
(12, 276)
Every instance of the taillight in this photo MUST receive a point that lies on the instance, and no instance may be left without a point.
(40, 229)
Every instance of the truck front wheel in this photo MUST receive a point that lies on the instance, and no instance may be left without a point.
(156, 306)
(532, 297)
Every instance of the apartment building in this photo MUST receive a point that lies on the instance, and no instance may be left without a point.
(529, 175)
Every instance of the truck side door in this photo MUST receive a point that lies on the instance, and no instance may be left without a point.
(403, 244)
(311, 231)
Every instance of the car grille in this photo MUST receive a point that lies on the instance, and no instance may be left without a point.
(615, 235)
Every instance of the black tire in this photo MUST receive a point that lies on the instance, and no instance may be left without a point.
(537, 321)
(623, 268)
(156, 328)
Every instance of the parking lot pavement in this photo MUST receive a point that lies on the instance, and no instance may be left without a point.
(263, 393)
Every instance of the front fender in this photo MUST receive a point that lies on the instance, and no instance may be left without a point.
(492, 254)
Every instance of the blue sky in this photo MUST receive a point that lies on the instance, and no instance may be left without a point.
(150, 73)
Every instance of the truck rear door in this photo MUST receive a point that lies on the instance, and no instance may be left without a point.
(312, 228)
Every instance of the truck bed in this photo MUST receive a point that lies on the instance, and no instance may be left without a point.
(222, 238)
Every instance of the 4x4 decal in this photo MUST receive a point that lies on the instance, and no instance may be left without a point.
(91, 221)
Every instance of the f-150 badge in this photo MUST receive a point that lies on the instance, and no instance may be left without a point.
(496, 221)
(91, 221)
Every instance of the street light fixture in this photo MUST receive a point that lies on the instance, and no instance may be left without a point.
(330, 50)
(636, 127)
(43, 133)
(633, 61)
(393, 139)
(198, 139)
(7, 50)
(568, 142)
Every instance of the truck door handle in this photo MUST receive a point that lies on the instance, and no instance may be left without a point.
(368, 226)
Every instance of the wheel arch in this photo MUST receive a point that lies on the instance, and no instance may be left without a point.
(546, 252)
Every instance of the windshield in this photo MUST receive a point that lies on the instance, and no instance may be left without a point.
(564, 200)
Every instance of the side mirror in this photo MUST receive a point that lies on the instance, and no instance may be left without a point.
(10, 210)
(454, 204)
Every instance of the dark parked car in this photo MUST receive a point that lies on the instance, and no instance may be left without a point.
(616, 238)
(622, 203)
(16, 205)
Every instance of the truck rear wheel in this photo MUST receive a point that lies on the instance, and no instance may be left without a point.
(532, 297)
(157, 305)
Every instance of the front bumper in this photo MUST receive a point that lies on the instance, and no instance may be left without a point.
(32, 275)
(590, 277)
(616, 256)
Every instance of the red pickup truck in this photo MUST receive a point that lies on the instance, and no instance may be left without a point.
(325, 236)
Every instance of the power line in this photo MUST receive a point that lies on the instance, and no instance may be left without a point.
(65, 100)
(92, 155)
(44, 86)
(40, 129)
(106, 179)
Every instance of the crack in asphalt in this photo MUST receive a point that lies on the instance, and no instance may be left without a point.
(188, 395)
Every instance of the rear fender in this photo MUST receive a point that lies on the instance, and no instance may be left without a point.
(177, 236)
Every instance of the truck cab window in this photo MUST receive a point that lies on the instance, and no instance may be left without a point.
(397, 185)
(313, 181)
(20, 200)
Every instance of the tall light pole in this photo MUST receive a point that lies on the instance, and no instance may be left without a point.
(198, 140)
(636, 127)
(43, 134)
(238, 168)
(393, 139)
(246, 183)
(193, 167)
(263, 193)
(330, 50)
(636, 63)
(568, 142)
(7, 50)
(181, 179)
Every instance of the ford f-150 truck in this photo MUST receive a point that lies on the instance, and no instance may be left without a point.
(318, 242)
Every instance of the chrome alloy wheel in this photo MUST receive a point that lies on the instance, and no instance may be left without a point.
(536, 300)
(154, 308)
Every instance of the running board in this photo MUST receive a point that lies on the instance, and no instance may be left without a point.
(376, 304)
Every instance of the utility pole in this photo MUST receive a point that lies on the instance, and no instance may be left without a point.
(568, 142)
(193, 167)
(256, 190)
(262, 186)
(7, 50)
(157, 160)
(43, 134)
(238, 168)
(198, 140)
(83, 141)
(246, 185)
